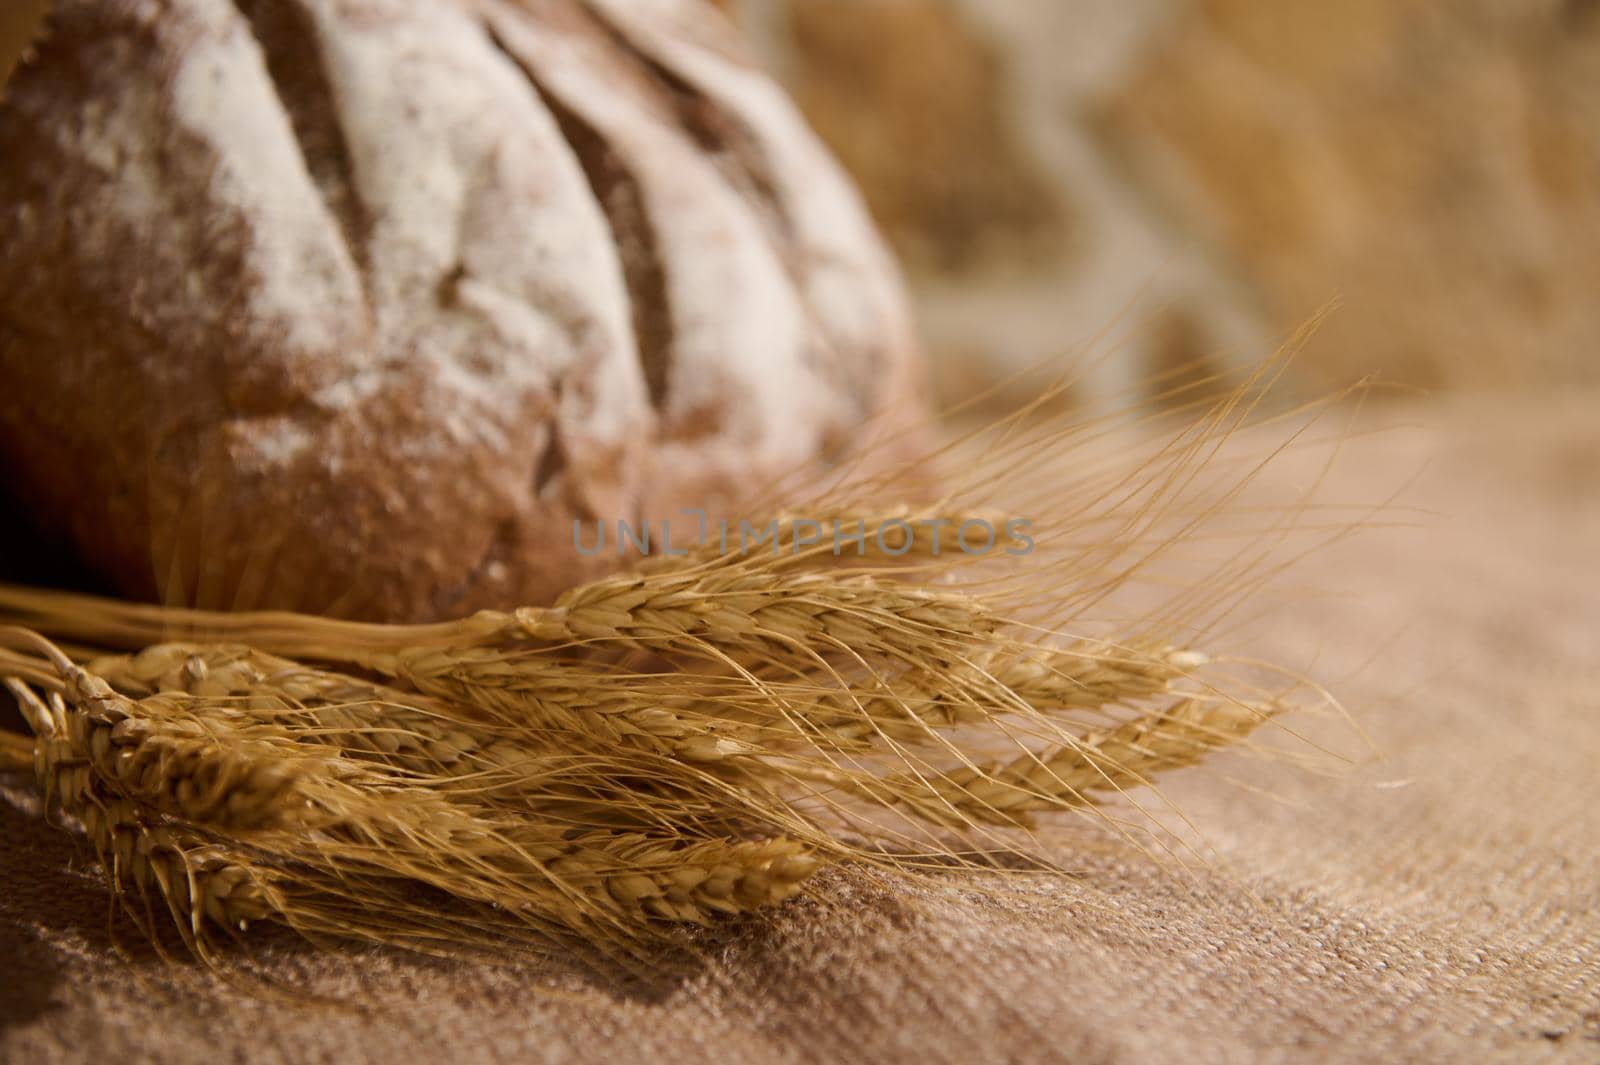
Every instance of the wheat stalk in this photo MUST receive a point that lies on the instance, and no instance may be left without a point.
(715, 612)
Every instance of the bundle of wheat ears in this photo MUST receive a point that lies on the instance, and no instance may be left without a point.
(679, 744)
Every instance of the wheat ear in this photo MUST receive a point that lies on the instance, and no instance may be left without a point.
(196, 877)
(1074, 775)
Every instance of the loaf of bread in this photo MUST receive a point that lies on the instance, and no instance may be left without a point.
(353, 306)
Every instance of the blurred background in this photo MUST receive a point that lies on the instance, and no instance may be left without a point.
(1201, 176)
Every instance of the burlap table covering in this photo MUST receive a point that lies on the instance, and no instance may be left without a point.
(1441, 904)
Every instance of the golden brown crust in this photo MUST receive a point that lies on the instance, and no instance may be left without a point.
(354, 305)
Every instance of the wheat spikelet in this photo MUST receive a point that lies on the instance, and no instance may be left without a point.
(171, 761)
(197, 878)
(1090, 675)
(717, 611)
(183, 767)
(906, 707)
(552, 696)
(407, 730)
(694, 882)
(1114, 760)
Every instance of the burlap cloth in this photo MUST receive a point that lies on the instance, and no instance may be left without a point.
(1442, 904)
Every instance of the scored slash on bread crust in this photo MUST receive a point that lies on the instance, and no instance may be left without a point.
(354, 308)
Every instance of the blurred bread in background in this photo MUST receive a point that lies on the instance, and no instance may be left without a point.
(1228, 167)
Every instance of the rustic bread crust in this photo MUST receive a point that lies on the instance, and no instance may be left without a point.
(354, 305)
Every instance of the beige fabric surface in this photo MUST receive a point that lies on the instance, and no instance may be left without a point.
(1440, 904)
